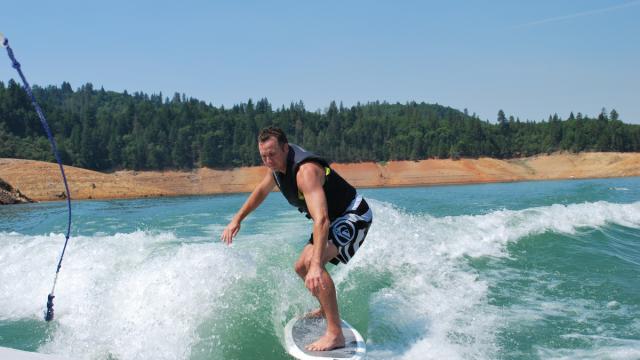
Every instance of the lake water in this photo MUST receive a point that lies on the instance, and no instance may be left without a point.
(532, 270)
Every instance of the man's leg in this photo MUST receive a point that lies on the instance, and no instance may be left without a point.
(301, 270)
(333, 337)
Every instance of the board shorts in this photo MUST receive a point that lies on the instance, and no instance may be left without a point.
(347, 232)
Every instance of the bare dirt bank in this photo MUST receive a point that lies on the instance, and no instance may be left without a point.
(41, 181)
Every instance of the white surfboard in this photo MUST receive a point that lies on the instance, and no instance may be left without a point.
(302, 331)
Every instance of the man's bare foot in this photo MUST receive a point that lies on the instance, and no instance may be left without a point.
(326, 343)
(315, 314)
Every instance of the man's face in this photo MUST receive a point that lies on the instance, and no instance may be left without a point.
(273, 155)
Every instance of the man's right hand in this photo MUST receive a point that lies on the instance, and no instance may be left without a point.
(230, 232)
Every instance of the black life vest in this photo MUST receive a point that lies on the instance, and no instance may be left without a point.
(338, 191)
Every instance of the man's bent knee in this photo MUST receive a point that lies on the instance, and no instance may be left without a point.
(301, 268)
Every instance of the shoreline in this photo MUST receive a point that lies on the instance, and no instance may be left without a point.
(41, 181)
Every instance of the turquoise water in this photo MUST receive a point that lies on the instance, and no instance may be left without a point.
(535, 270)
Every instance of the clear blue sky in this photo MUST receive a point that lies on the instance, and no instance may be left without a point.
(530, 59)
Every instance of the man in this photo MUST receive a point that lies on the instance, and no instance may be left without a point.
(341, 219)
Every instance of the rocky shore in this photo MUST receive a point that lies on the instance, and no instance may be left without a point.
(9, 195)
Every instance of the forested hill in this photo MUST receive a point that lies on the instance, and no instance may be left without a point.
(105, 130)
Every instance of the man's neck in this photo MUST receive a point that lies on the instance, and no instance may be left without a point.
(286, 161)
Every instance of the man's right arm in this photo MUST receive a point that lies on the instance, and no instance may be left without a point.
(255, 199)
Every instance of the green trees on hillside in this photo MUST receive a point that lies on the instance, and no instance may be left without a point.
(105, 130)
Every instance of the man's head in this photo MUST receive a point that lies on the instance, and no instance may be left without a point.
(274, 148)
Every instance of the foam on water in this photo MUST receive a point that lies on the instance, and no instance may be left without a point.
(128, 296)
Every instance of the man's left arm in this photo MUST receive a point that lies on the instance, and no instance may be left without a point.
(310, 179)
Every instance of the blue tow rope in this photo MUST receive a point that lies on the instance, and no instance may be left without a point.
(16, 65)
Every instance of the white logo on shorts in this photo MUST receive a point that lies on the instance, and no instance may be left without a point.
(344, 231)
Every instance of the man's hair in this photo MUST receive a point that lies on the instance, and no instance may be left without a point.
(272, 131)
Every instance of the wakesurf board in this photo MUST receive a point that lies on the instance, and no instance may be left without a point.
(302, 331)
